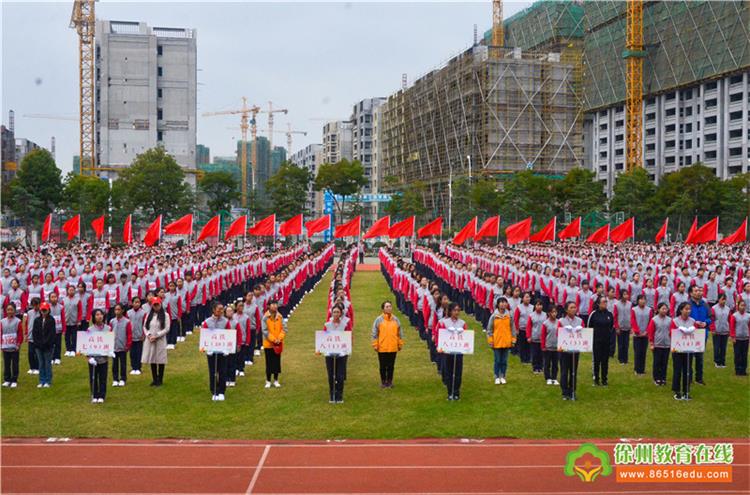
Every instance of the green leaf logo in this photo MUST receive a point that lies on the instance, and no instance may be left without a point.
(587, 462)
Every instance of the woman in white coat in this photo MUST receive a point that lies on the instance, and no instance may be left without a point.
(156, 328)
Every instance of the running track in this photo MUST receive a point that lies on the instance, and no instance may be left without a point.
(429, 466)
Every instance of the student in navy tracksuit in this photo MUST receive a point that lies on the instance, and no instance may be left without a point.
(602, 323)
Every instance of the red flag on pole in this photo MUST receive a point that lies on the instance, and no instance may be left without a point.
(127, 230)
(73, 227)
(98, 225)
(739, 235)
(433, 228)
(404, 228)
(182, 226)
(518, 232)
(380, 227)
(599, 236)
(153, 234)
(623, 232)
(211, 229)
(490, 228)
(662, 231)
(47, 228)
(237, 227)
(350, 229)
(691, 232)
(293, 226)
(707, 233)
(468, 232)
(265, 227)
(573, 229)
(318, 225)
(547, 233)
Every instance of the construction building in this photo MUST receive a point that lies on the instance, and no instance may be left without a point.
(269, 162)
(202, 154)
(337, 141)
(145, 93)
(311, 157)
(9, 162)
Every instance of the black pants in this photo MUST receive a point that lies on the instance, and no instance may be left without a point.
(71, 336)
(453, 370)
(232, 367)
(640, 346)
(720, 349)
(740, 357)
(273, 364)
(387, 361)
(336, 370)
(601, 360)
(612, 342)
(98, 380)
(623, 346)
(33, 361)
(536, 356)
(568, 373)
(217, 373)
(697, 358)
(120, 366)
(186, 325)
(524, 350)
(661, 360)
(10, 366)
(136, 351)
(550, 364)
(57, 351)
(157, 373)
(680, 367)
(174, 330)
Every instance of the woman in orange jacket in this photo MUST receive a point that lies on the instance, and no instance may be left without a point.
(274, 331)
(501, 335)
(387, 341)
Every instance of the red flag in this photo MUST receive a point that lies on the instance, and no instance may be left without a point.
(468, 232)
(265, 227)
(47, 228)
(98, 225)
(350, 229)
(404, 228)
(600, 235)
(433, 228)
(293, 226)
(490, 228)
(73, 227)
(127, 230)
(691, 232)
(573, 229)
(183, 226)
(739, 235)
(623, 232)
(547, 233)
(707, 233)
(238, 227)
(318, 225)
(662, 231)
(211, 229)
(518, 232)
(153, 234)
(380, 227)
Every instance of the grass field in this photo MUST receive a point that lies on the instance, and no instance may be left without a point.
(630, 407)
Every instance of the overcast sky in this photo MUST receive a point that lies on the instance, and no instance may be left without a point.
(316, 59)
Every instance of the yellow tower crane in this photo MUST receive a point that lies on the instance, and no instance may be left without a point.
(83, 20)
(498, 34)
(633, 55)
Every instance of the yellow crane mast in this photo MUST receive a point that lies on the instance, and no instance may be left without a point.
(633, 55)
(498, 34)
(83, 20)
(272, 111)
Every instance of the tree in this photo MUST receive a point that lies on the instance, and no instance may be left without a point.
(579, 193)
(288, 189)
(485, 197)
(220, 188)
(154, 184)
(407, 203)
(85, 195)
(688, 192)
(35, 191)
(343, 178)
(527, 194)
(634, 194)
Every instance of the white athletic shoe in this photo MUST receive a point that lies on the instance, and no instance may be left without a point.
(250, 363)
(30, 372)
(503, 381)
(276, 384)
(137, 372)
(57, 361)
(220, 397)
(36, 372)
(241, 373)
(13, 385)
(115, 383)
(132, 372)
(213, 398)
(122, 383)
(94, 401)
(236, 372)
(46, 385)
(170, 347)
(232, 384)
(6, 384)
(549, 382)
(100, 401)
(555, 382)
(497, 381)
(256, 352)
(188, 333)
(247, 362)
(267, 385)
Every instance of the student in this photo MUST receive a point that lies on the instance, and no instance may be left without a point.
(73, 313)
(43, 333)
(701, 313)
(156, 328)
(231, 358)
(98, 364)
(453, 363)
(217, 363)
(520, 317)
(611, 300)
(720, 314)
(87, 306)
(621, 314)
(602, 322)
(11, 329)
(659, 330)
(549, 345)
(274, 330)
(136, 314)
(242, 322)
(387, 341)
(569, 360)
(173, 305)
(336, 363)
(123, 329)
(680, 365)
(534, 332)
(738, 332)
(501, 335)
(28, 324)
(57, 312)
(640, 315)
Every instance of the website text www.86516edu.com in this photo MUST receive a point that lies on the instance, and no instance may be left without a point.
(674, 474)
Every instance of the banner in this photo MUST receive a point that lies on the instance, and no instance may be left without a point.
(95, 343)
(574, 340)
(9, 340)
(455, 342)
(329, 343)
(218, 341)
(688, 340)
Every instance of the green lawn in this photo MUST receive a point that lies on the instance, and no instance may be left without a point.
(525, 407)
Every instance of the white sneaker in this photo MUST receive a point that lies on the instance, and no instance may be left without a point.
(555, 382)
(213, 397)
(30, 372)
(115, 383)
(170, 347)
(100, 401)
(549, 382)
(132, 372)
(276, 384)
(497, 381)
(46, 385)
(220, 397)
(267, 385)
(250, 363)
(36, 372)
(232, 384)
(39, 386)
(6, 384)
(57, 361)
(13, 385)
(241, 373)
(236, 372)
(94, 401)
(122, 383)
(256, 352)
(502, 380)
(137, 372)
(189, 332)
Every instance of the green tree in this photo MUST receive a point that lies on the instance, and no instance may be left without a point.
(288, 188)
(410, 201)
(461, 210)
(221, 190)
(634, 194)
(343, 178)
(35, 191)
(485, 197)
(735, 201)
(85, 195)
(154, 184)
(527, 194)
(579, 193)
(688, 192)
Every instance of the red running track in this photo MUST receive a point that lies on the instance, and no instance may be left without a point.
(352, 467)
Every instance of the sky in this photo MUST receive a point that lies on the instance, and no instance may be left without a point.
(315, 59)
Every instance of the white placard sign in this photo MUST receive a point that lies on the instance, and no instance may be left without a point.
(95, 343)
(456, 342)
(689, 341)
(328, 343)
(9, 340)
(575, 339)
(218, 341)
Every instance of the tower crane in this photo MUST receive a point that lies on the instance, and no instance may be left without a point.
(498, 33)
(271, 111)
(83, 20)
(633, 56)
(288, 133)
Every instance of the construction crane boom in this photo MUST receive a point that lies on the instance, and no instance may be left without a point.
(83, 19)
(271, 111)
(633, 55)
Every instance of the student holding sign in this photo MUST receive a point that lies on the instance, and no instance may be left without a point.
(387, 341)
(453, 362)
(738, 332)
(98, 363)
(501, 336)
(336, 362)
(569, 359)
(12, 337)
(684, 324)
(274, 331)
(217, 361)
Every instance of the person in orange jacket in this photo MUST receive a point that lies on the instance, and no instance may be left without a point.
(387, 341)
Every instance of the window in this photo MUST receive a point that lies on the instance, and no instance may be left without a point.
(710, 120)
(735, 133)
(669, 144)
(735, 79)
(689, 127)
(711, 103)
(602, 141)
(711, 85)
(670, 96)
(735, 115)
(158, 92)
(735, 151)
(669, 160)
(159, 71)
(603, 127)
(688, 160)
(603, 113)
(159, 114)
(650, 101)
(619, 138)
(670, 112)
(651, 147)
(650, 162)
(650, 116)
(651, 132)
(689, 111)
(619, 152)
(710, 155)
(711, 138)
(618, 166)
(159, 135)
(619, 123)
(159, 50)
(735, 97)
(687, 94)
(688, 144)
(602, 154)
(669, 128)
